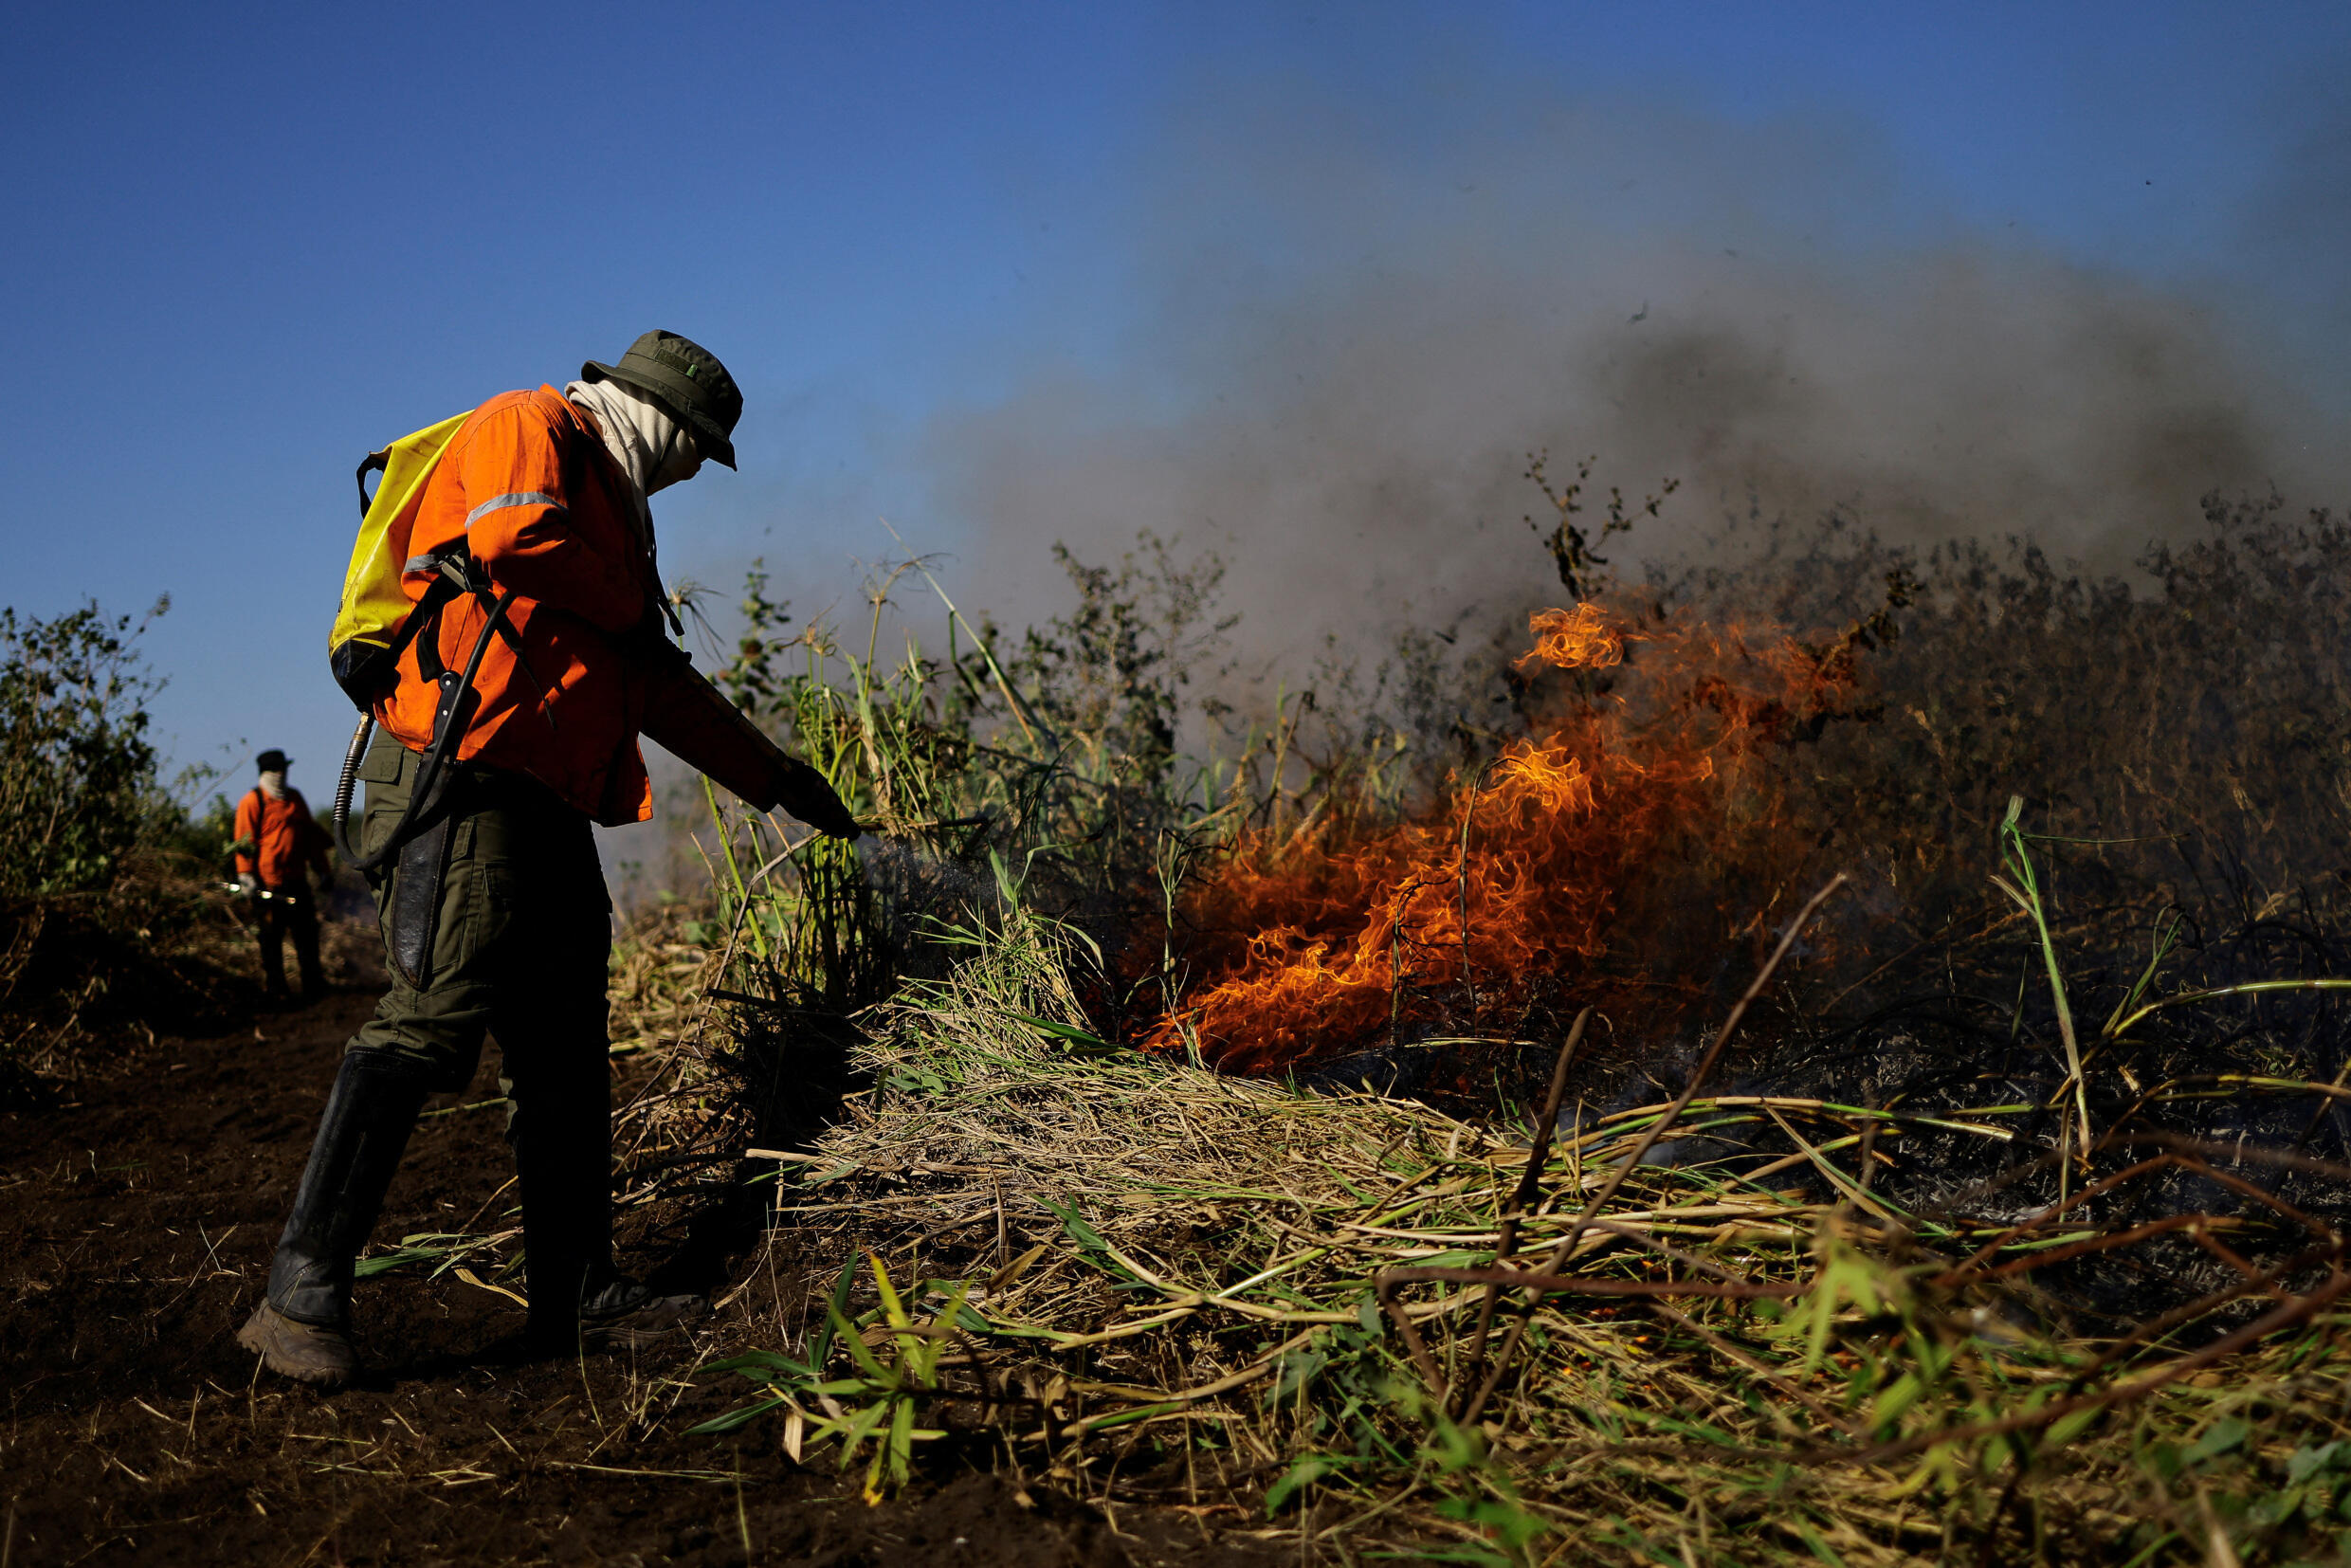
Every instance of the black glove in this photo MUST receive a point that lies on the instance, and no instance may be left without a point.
(802, 791)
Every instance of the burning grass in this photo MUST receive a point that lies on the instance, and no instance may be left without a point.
(1310, 941)
(2005, 1225)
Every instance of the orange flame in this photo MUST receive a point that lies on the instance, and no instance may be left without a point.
(1573, 639)
(1319, 943)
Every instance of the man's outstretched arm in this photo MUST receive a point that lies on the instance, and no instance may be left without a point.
(693, 722)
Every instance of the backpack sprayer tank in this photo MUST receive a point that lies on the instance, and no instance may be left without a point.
(378, 620)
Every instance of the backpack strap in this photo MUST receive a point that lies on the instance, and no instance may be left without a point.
(457, 572)
(428, 613)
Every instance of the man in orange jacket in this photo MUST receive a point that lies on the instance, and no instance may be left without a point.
(277, 841)
(495, 915)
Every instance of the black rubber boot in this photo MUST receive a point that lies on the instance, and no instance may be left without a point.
(365, 1129)
(562, 1136)
(562, 1130)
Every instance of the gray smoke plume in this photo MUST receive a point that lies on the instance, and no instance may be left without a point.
(1354, 338)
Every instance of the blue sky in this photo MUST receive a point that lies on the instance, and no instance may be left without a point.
(250, 242)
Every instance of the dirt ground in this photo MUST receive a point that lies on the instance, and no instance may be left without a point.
(136, 1218)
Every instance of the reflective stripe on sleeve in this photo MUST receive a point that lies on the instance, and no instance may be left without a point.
(521, 498)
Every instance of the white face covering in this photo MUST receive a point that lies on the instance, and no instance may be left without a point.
(653, 449)
(273, 784)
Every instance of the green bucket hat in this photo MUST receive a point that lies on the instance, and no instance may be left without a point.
(687, 381)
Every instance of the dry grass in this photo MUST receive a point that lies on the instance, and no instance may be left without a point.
(1161, 1284)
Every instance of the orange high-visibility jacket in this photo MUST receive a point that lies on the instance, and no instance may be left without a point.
(285, 836)
(527, 484)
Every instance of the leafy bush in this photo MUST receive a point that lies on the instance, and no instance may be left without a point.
(108, 921)
(77, 773)
(1058, 759)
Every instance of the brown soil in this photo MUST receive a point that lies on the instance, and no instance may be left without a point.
(136, 1218)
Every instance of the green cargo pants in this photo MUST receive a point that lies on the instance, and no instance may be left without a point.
(520, 952)
(524, 932)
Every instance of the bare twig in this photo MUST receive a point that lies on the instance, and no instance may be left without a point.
(1530, 1183)
(1566, 1247)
